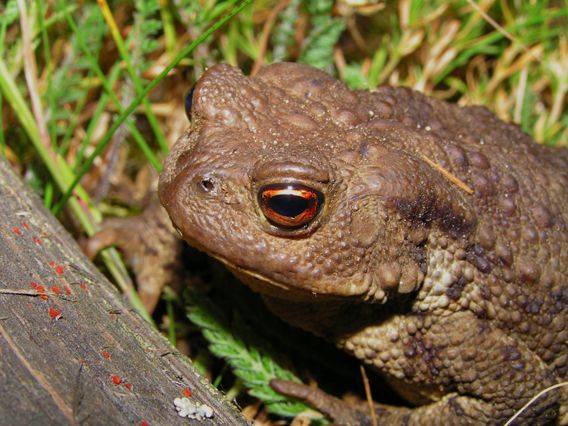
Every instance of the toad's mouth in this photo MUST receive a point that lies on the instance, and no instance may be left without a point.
(254, 279)
(266, 285)
(244, 271)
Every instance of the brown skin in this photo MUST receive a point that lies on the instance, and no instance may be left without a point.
(455, 291)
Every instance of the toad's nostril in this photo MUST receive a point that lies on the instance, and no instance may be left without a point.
(207, 185)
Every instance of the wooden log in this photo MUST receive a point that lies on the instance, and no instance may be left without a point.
(72, 351)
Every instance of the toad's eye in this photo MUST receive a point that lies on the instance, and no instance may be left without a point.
(188, 103)
(289, 205)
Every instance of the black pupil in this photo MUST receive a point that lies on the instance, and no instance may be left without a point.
(188, 103)
(288, 205)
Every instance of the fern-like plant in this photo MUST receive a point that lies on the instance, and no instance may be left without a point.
(250, 358)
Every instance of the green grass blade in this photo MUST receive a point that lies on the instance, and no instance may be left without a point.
(123, 51)
(138, 138)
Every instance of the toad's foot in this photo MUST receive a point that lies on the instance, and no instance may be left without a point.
(339, 411)
(150, 247)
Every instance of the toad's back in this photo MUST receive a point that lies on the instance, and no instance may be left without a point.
(519, 194)
(520, 198)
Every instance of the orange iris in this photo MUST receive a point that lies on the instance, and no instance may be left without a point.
(289, 205)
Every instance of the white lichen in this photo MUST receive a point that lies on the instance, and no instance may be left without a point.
(194, 410)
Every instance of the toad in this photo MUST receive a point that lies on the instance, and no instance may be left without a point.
(427, 240)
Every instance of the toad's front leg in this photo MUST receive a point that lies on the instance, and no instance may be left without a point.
(151, 247)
